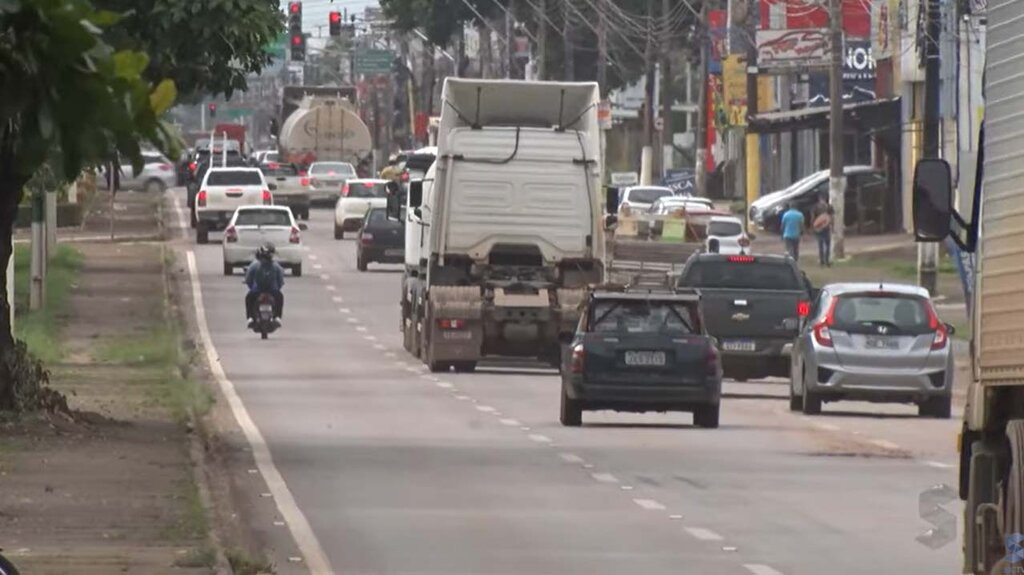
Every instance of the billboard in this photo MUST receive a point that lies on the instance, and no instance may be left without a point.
(786, 50)
(859, 71)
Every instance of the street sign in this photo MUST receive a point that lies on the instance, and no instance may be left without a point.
(625, 178)
(372, 61)
(795, 49)
(604, 114)
(279, 48)
(235, 113)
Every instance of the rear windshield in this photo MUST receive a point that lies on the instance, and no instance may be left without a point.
(643, 317)
(725, 229)
(263, 218)
(332, 168)
(234, 178)
(278, 170)
(271, 157)
(647, 195)
(153, 159)
(866, 313)
(367, 190)
(765, 275)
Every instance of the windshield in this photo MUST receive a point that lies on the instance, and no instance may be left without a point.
(234, 178)
(865, 313)
(367, 190)
(647, 195)
(643, 317)
(331, 169)
(725, 229)
(263, 218)
(767, 275)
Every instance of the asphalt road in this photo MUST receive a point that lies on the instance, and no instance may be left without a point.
(399, 471)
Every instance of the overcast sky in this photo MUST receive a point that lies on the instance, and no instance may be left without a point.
(314, 12)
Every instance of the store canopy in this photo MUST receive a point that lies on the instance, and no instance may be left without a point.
(875, 118)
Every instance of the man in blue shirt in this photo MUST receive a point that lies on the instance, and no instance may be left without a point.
(792, 228)
(264, 275)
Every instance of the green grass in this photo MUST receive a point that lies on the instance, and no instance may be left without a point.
(204, 556)
(40, 329)
(242, 564)
(193, 523)
(156, 348)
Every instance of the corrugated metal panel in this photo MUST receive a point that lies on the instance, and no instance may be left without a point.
(999, 335)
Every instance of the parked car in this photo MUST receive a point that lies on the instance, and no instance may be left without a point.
(666, 205)
(290, 192)
(641, 198)
(864, 181)
(157, 174)
(357, 197)
(641, 352)
(725, 235)
(253, 226)
(380, 240)
(873, 342)
(325, 180)
(223, 191)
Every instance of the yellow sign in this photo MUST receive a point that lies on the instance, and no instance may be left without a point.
(734, 88)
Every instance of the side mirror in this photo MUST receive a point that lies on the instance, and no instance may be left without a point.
(394, 208)
(415, 193)
(933, 200)
(950, 329)
(272, 186)
(611, 199)
(303, 227)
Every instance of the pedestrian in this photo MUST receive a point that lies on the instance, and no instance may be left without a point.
(792, 228)
(823, 231)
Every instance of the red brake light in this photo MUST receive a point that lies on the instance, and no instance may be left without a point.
(741, 259)
(294, 237)
(344, 190)
(367, 184)
(230, 234)
(303, 173)
(451, 323)
(304, 181)
(201, 198)
(803, 309)
(579, 354)
(267, 198)
(331, 173)
(192, 166)
(273, 165)
(941, 335)
(822, 333)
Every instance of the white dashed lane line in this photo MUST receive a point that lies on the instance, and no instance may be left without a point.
(318, 266)
(604, 477)
(461, 397)
(379, 347)
(361, 328)
(444, 385)
(353, 320)
(312, 257)
(510, 422)
(649, 504)
(325, 277)
(540, 438)
(484, 408)
(704, 534)
(570, 458)
(330, 288)
(337, 299)
(757, 569)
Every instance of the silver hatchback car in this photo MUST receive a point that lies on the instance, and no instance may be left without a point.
(873, 342)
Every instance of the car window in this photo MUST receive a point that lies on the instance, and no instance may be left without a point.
(271, 157)
(273, 170)
(233, 178)
(332, 168)
(153, 159)
(646, 195)
(263, 218)
(643, 317)
(367, 190)
(725, 229)
(742, 275)
(866, 313)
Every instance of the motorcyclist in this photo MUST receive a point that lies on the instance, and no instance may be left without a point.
(264, 275)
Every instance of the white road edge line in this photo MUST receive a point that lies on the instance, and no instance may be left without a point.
(757, 569)
(312, 552)
(650, 504)
(704, 534)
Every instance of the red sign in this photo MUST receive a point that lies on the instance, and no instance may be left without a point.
(422, 123)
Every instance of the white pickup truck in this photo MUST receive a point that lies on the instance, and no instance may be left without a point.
(224, 190)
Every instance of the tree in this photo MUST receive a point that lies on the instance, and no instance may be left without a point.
(67, 98)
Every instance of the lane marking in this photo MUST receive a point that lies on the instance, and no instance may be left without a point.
(318, 266)
(525, 428)
(462, 397)
(510, 422)
(588, 466)
(704, 534)
(360, 328)
(325, 277)
(310, 548)
(826, 426)
(312, 257)
(570, 458)
(885, 444)
(626, 487)
(649, 504)
(412, 370)
(675, 517)
(370, 337)
(605, 477)
(379, 346)
(444, 385)
(330, 288)
(540, 438)
(391, 354)
(485, 408)
(337, 299)
(939, 465)
(757, 569)
(353, 320)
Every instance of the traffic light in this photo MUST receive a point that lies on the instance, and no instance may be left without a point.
(298, 47)
(212, 109)
(297, 41)
(335, 23)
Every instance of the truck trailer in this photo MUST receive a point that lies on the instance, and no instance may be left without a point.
(504, 231)
(991, 442)
(324, 128)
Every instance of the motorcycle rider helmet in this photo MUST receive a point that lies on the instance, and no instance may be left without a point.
(266, 252)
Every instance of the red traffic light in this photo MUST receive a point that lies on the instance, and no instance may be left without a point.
(296, 39)
(335, 17)
(294, 7)
(212, 107)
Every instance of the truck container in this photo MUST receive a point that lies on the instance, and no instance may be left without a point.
(324, 128)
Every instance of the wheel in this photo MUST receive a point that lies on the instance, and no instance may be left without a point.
(155, 186)
(305, 214)
(465, 367)
(407, 335)
(263, 335)
(811, 402)
(439, 366)
(192, 218)
(936, 407)
(796, 402)
(361, 263)
(228, 269)
(297, 270)
(706, 416)
(571, 412)
(202, 233)
(339, 234)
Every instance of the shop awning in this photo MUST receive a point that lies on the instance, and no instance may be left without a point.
(881, 113)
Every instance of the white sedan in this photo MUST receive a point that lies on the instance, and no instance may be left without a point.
(357, 197)
(726, 236)
(253, 226)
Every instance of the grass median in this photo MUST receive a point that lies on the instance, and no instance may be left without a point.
(40, 329)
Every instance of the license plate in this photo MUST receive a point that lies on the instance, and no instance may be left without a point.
(881, 343)
(645, 358)
(393, 253)
(738, 345)
(457, 335)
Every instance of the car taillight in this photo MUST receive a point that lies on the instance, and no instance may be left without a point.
(451, 323)
(803, 308)
(201, 198)
(741, 259)
(273, 165)
(344, 190)
(712, 361)
(822, 331)
(192, 166)
(304, 181)
(579, 354)
(366, 237)
(231, 234)
(294, 237)
(267, 198)
(941, 335)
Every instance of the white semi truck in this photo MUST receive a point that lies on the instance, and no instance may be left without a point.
(991, 442)
(504, 231)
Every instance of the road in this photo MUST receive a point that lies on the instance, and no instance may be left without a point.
(400, 471)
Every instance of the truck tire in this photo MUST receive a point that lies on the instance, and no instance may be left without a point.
(228, 269)
(339, 233)
(361, 263)
(464, 366)
(297, 270)
(706, 416)
(936, 407)
(796, 402)
(407, 335)
(192, 218)
(202, 233)
(571, 413)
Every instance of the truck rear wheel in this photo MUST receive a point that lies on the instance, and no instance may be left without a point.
(571, 413)
(706, 416)
(465, 366)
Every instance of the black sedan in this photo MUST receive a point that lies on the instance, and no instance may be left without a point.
(381, 240)
(639, 352)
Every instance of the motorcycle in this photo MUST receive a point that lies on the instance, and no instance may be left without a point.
(265, 323)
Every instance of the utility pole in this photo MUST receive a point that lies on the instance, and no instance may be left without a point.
(928, 254)
(701, 131)
(837, 176)
(542, 39)
(753, 141)
(666, 88)
(602, 48)
(509, 49)
(568, 63)
(648, 119)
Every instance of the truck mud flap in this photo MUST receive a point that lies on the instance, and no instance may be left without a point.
(454, 324)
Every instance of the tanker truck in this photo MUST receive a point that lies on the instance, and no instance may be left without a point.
(504, 230)
(991, 441)
(324, 128)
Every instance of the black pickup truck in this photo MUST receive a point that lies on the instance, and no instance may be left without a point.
(641, 352)
(753, 305)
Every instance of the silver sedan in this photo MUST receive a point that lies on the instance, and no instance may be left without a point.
(873, 342)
